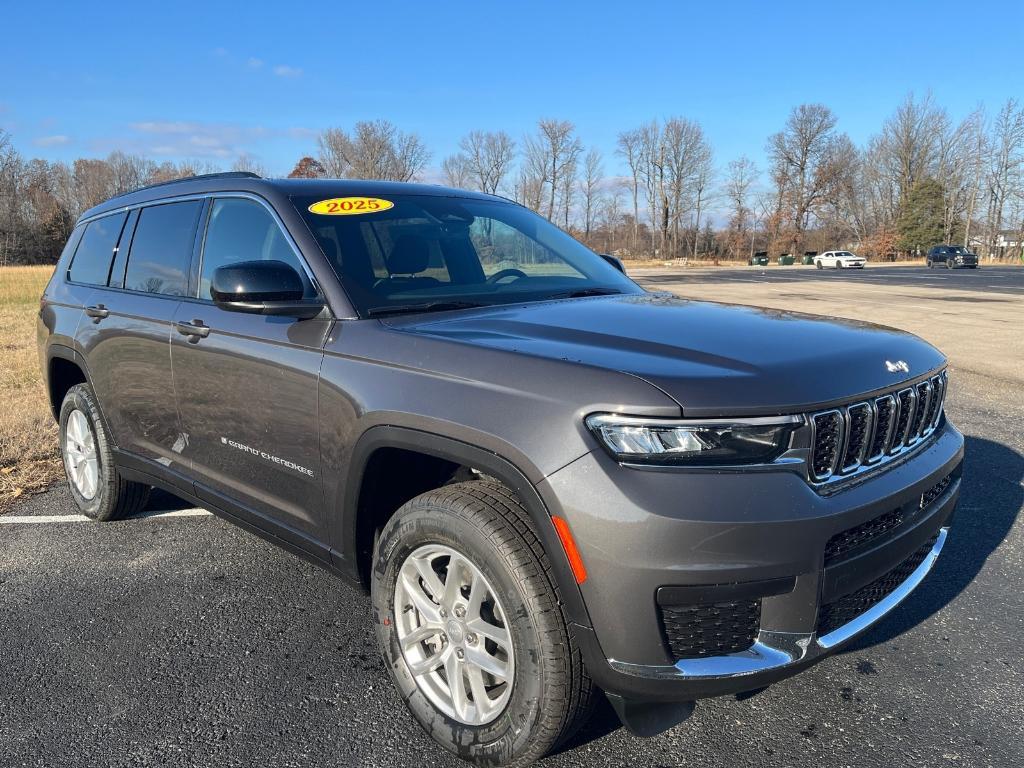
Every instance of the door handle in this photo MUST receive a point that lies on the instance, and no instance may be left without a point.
(196, 330)
(98, 312)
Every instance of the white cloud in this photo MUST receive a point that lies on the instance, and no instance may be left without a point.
(58, 140)
(283, 70)
(254, 63)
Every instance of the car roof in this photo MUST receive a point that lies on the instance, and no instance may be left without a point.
(276, 188)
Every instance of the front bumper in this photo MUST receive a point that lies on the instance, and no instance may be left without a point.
(639, 531)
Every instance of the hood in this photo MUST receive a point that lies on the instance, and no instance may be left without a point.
(713, 359)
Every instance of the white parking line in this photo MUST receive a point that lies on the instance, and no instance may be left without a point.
(37, 519)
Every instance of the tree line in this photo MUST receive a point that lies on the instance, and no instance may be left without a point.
(922, 179)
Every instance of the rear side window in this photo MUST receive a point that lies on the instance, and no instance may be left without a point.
(243, 230)
(91, 264)
(161, 249)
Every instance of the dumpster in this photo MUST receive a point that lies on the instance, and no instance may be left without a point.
(759, 259)
(808, 257)
(786, 259)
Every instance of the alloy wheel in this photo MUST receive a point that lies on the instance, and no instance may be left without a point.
(454, 634)
(80, 457)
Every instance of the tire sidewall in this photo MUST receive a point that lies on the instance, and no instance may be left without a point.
(509, 734)
(79, 398)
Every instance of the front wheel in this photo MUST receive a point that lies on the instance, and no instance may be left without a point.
(96, 486)
(818, 265)
(471, 629)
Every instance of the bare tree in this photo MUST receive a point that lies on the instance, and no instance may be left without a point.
(630, 148)
(374, 150)
(741, 175)
(557, 144)
(1006, 166)
(590, 183)
(456, 171)
(799, 155)
(249, 164)
(488, 158)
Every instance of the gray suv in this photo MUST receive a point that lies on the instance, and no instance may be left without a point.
(550, 481)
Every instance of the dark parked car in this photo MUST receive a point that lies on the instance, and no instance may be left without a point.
(952, 257)
(759, 259)
(550, 481)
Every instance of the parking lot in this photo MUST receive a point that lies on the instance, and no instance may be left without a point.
(180, 640)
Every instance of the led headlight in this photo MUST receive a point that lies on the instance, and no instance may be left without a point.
(640, 440)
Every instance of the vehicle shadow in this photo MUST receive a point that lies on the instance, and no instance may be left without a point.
(991, 498)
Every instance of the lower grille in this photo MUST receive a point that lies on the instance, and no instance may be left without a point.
(833, 615)
(715, 629)
(861, 536)
(852, 539)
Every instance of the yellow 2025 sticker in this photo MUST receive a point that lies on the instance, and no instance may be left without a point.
(350, 206)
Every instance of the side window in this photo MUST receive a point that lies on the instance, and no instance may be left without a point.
(243, 230)
(91, 263)
(161, 250)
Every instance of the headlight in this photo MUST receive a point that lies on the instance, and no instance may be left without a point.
(640, 440)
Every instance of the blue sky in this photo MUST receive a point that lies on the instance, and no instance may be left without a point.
(212, 80)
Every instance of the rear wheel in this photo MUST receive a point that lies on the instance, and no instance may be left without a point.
(471, 629)
(96, 486)
(928, 263)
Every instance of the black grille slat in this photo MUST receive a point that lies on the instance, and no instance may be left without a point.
(905, 405)
(859, 429)
(828, 437)
(842, 611)
(885, 411)
(924, 397)
(850, 437)
(714, 629)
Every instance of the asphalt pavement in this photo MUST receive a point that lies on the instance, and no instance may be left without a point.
(180, 640)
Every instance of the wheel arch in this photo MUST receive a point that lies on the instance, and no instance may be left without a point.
(356, 521)
(64, 369)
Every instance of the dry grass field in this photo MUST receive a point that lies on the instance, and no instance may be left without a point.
(29, 460)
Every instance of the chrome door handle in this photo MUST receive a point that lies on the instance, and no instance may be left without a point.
(195, 329)
(98, 312)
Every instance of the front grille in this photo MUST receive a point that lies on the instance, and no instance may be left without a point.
(833, 615)
(714, 629)
(846, 439)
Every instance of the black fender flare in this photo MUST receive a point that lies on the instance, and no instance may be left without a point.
(450, 449)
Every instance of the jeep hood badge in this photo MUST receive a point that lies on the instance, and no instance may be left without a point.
(900, 366)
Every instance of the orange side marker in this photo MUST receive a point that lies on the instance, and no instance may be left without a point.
(569, 545)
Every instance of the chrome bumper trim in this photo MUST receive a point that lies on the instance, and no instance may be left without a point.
(774, 650)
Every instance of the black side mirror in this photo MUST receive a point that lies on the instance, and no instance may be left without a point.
(262, 288)
(617, 263)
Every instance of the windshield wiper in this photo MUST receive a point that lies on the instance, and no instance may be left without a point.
(427, 306)
(579, 293)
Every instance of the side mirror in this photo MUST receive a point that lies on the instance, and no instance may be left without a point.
(617, 263)
(262, 288)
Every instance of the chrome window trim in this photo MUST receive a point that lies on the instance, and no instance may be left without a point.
(211, 196)
(775, 650)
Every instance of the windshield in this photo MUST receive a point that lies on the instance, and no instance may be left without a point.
(426, 252)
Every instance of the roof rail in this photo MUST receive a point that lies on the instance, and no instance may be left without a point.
(197, 177)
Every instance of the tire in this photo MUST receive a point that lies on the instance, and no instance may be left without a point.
(550, 695)
(928, 264)
(949, 264)
(818, 265)
(109, 496)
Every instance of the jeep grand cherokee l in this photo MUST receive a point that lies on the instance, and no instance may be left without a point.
(952, 257)
(550, 481)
